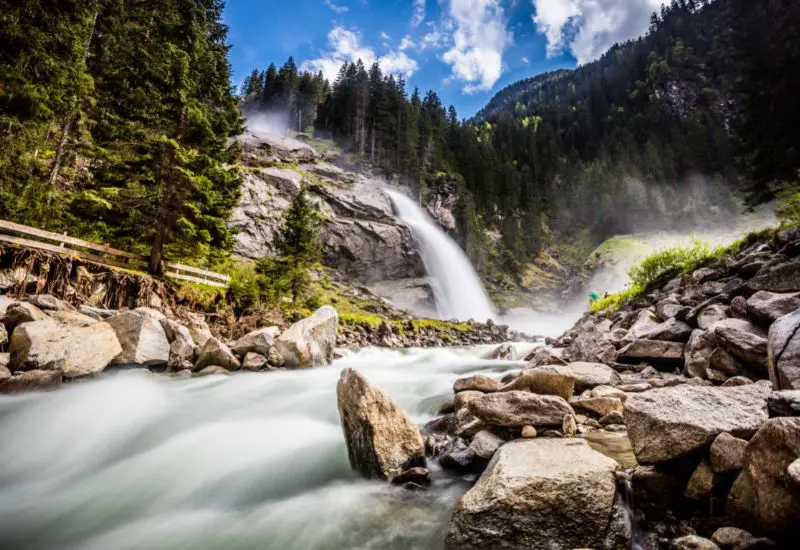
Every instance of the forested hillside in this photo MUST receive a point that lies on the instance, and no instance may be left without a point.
(661, 132)
(115, 120)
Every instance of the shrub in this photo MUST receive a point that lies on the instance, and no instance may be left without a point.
(788, 211)
(669, 262)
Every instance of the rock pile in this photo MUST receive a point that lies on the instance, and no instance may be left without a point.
(49, 340)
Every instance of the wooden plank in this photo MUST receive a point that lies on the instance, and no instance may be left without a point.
(63, 251)
(174, 275)
(198, 271)
(24, 229)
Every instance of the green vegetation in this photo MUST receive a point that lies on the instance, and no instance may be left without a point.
(789, 209)
(669, 262)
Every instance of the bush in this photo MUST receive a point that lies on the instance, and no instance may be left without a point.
(669, 262)
(789, 208)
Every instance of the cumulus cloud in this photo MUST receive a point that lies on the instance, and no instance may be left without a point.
(419, 13)
(336, 7)
(525, 60)
(589, 27)
(406, 43)
(345, 45)
(479, 40)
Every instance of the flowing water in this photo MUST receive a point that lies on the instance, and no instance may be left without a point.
(249, 461)
(456, 287)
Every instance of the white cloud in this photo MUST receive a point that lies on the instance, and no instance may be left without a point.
(406, 43)
(525, 60)
(589, 27)
(434, 40)
(336, 7)
(419, 13)
(385, 36)
(480, 38)
(345, 45)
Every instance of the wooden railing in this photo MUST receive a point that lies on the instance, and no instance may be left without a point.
(102, 254)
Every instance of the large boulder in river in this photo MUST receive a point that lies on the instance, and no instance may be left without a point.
(539, 493)
(762, 497)
(215, 353)
(544, 382)
(590, 344)
(784, 352)
(21, 312)
(142, 338)
(520, 408)
(586, 375)
(669, 423)
(72, 349)
(310, 342)
(32, 380)
(382, 441)
(258, 341)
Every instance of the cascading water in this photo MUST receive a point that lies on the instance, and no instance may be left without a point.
(457, 288)
(249, 461)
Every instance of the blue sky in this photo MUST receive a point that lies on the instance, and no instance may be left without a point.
(466, 50)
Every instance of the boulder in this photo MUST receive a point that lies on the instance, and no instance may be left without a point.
(671, 330)
(780, 279)
(462, 398)
(643, 322)
(3, 335)
(767, 307)
(538, 493)
(739, 307)
(477, 382)
(311, 341)
(415, 477)
(503, 351)
(519, 408)
(598, 406)
(736, 381)
(459, 456)
(609, 391)
(761, 497)
(783, 352)
(485, 443)
(590, 344)
(710, 315)
(212, 369)
(254, 361)
(669, 423)
(46, 302)
(382, 441)
(5, 374)
(723, 361)
(744, 340)
(727, 453)
(697, 353)
(216, 353)
(586, 375)
(784, 403)
(569, 426)
(69, 317)
(693, 542)
(199, 330)
(652, 351)
(142, 338)
(733, 538)
(259, 341)
(74, 350)
(32, 380)
(614, 417)
(181, 347)
(701, 485)
(21, 312)
(544, 382)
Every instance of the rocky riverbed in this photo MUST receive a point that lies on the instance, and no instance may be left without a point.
(699, 378)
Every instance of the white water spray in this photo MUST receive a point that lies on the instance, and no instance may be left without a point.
(456, 286)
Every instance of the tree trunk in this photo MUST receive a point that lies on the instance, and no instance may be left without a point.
(157, 250)
(62, 142)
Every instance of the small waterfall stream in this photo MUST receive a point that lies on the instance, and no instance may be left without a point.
(457, 288)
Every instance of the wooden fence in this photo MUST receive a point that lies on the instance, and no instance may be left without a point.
(31, 237)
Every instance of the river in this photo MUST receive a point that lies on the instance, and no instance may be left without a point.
(249, 461)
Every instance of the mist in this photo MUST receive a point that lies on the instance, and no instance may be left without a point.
(275, 123)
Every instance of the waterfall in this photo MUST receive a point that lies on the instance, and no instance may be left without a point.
(456, 287)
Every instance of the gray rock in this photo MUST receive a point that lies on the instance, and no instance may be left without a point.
(669, 423)
(311, 341)
(142, 339)
(761, 499)
(767, 307)
(643, 322)
(784, 403)
(693, 542)
(538, 493)
(586, 375)
(733, 538)
(727, 453)
(212, 369)
(21, 312)
(784, 352)
(381, 440)
(671, 330)
(199, 330)
(258, 341)
(96, 312)
(33, 380)
(590, 344)
(260, 146)
(781, 278)
(652, 351)
(518, 408)
(736, 381)
(462, 398)
(701, 485)
(216, 353)
(739, 307)
(710, 315)
(413, 477)
(458, 456)
(569, 426)
(743, 340)
(701, 345)
(477, 382)
(485, 443)
(544, 383)
(69, 317)
(5, 374)
(74, 350)
(614, 417)
(598, 406)
(722, 360)
(254, 361)
(46, 302)
(793, 470)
